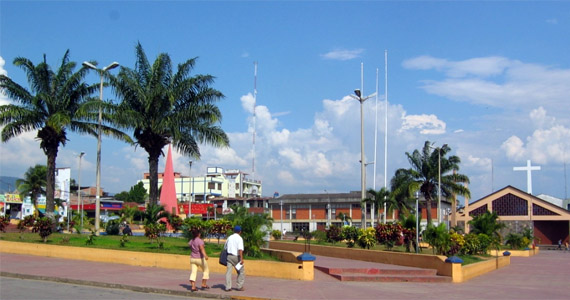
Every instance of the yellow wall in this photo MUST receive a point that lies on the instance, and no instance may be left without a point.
(522, 253)
(457, 272)
(480, 268)
(285, 270)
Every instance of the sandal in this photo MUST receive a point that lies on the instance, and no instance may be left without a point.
(205, 287)
(194, 289)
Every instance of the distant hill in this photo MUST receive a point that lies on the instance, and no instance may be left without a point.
(7, 184)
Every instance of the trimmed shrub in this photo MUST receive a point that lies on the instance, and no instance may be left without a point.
(334, 234)
(367, 238)
(350, 235)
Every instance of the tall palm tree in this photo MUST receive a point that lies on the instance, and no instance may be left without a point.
(163, 107)
(57, 102)
(423, 176)
(33, 184)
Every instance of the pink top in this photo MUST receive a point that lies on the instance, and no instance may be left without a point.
(195, 247)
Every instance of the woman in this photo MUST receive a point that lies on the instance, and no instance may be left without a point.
(198, 258)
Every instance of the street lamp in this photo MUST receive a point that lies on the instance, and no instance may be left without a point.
(361, 99)
(417, 222)
(79, 202)
(281, 216)
(98, 177)
(328, 210)
(438, 181)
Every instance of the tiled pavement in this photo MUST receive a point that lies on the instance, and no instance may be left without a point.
(543, 276)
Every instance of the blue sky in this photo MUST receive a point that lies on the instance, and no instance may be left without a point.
(490, 79)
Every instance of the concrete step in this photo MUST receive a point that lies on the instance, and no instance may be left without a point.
(393, 278)
(384, 275)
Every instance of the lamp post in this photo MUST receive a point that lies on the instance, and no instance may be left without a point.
(79, 202)
(417, 222)
(361, 99)
(281, 216)
(191, 191)
(98, 177)
(328, 209)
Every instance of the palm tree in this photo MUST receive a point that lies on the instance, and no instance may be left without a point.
(154, 213)
(424, 173)
(385, 197)
(162, 108)
(33, 184)
(487, 223)
(56, 103)
(343, 217)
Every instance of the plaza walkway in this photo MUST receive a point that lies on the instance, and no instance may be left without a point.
(543, 276)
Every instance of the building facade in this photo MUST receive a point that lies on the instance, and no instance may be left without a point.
(216, 183)
(297, 212)
(517, 210)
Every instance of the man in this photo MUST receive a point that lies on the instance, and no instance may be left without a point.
(127, 230)
(234, 246)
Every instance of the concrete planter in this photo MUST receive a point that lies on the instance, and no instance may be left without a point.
(290, 269)
(456, 271)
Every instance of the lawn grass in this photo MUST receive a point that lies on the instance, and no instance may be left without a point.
(171, 245)
(467, 259)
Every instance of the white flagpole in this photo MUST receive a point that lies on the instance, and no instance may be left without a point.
(385, 126)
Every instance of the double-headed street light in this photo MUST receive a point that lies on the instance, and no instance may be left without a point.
(417, 222)
(98, 178)
(361, 99)
(79, 202)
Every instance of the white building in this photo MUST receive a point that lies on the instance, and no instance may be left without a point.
(215, 183)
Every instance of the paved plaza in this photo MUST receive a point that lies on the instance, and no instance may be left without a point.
(543, 276)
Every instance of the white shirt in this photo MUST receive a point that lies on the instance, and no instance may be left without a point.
(234, 244)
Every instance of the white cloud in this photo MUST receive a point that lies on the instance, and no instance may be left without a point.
(514, 148)
(22, 149)
(428, 124)
(549, 143)
(342, 54)
(498, 81)
(479, 66)
(2, 64)
(4, 100)
(540, 119)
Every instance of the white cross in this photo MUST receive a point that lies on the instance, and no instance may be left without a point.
(528, 169)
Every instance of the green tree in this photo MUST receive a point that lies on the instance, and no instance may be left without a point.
(438, 237)
(384, 197)
(408, 223)
(153, 213)
(33, 184)
(163, 107)
(128, 213)
(423, 176)
(57, 102)
(345, 218)
(488, 224)
(252, 228)
(136, 194)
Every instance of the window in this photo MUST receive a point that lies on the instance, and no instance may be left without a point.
(293, 213)
(211, 185)
(300, 227)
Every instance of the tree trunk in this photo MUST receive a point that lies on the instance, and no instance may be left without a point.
(50, 183)
(153, 180)
(428, 210)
